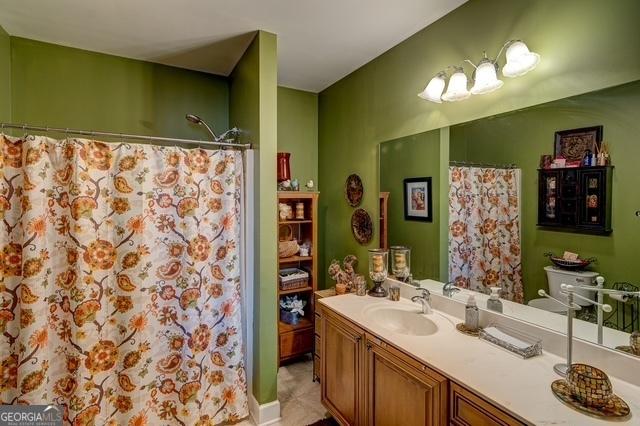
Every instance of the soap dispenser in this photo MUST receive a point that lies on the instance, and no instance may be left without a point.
(471, 314)
(494, 303)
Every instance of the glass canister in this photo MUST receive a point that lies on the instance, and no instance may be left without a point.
(378, 261)
(401, 262)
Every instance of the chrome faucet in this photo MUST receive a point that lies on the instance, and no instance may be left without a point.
(449, 288)
(425, 299)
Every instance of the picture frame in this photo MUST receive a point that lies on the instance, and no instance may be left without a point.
(573, 144)
(418, 204)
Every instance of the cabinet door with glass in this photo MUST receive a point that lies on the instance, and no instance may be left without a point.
(593, 200)
(548, 202)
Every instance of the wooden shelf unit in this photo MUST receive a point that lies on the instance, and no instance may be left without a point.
(297, 340)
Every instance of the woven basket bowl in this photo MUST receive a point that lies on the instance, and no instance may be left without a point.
(589, 385)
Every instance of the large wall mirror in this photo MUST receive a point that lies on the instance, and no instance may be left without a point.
(490, 197)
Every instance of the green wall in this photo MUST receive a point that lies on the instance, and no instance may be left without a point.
(5, 76)
(521, 137)
(298, 132)
(254, 106)
(408, 157)
(585, 45)
(59, 86)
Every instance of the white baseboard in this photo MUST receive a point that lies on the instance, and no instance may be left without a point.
(265, 414)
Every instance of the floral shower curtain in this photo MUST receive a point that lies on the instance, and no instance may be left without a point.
(120, 290)
(484, 230)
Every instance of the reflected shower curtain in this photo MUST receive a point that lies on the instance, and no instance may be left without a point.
(484, 230)
(120, 291)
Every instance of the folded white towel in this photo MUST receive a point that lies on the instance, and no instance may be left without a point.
(500, 335)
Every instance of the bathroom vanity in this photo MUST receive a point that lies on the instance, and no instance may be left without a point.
(384, 363)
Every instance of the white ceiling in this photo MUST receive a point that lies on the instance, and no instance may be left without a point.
(319, 41)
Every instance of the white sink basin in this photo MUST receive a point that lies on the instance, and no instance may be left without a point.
(403, 321)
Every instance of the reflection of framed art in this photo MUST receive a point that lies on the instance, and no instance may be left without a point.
(573, 144)
(417, 199)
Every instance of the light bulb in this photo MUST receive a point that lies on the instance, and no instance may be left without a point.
(519, 60)
(457, 88)
(486, 78)
(434, 89)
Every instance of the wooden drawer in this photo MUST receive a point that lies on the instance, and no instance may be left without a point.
(468, 409)
(296, 343)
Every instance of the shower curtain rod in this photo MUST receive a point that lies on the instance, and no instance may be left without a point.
(471, 164)
(123, 136)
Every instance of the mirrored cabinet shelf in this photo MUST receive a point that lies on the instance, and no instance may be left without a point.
(575, 199)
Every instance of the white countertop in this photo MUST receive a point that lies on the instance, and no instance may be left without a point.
(521, 386)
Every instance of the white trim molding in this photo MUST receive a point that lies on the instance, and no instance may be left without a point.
(265, 414)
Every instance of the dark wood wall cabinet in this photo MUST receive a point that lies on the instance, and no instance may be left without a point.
(575, 199)
(367, 381)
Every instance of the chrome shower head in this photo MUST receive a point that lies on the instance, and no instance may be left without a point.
(193, 118)
(197, 120)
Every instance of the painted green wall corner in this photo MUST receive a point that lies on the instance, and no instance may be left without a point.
(5, 76)
(378, 102)
(522, 137)
(397, 162)
(253, 108)
(59, 86)
(298, 132)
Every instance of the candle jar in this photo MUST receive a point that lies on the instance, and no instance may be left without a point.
(299, 210)
(378, 260)
(401, 262)
(360, 284)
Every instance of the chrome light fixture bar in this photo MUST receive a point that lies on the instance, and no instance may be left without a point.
(485, 74)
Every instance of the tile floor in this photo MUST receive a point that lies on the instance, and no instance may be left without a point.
(299, 396)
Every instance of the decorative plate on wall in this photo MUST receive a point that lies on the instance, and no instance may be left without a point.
(354, 190)
(362, 226)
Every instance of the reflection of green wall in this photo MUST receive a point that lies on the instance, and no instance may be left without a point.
(521, 137)
(298, 132)
(253, 109)
(378, 101)
(413, 156)
(5, 76)
(59, 86)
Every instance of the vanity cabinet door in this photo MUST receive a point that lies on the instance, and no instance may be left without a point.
(401, 391)
(341, 366)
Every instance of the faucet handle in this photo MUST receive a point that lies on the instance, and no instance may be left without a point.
(424, 292)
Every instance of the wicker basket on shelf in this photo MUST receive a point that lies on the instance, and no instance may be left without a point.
(293, 278)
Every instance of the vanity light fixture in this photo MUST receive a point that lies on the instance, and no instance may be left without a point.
(519, 60)
(434, 89)
(485, 75)
(457, 88)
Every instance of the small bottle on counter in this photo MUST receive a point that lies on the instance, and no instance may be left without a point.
(494, 303)
(471, 314)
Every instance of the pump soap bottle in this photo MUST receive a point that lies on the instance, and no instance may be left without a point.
(471, 314)
(494, 303)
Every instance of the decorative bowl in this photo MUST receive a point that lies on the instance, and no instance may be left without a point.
(589, 385)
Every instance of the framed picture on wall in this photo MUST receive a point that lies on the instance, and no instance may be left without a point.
(417, 199)
(573, 144)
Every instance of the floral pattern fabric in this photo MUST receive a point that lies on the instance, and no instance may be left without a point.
(120, 289)
(484, 230)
